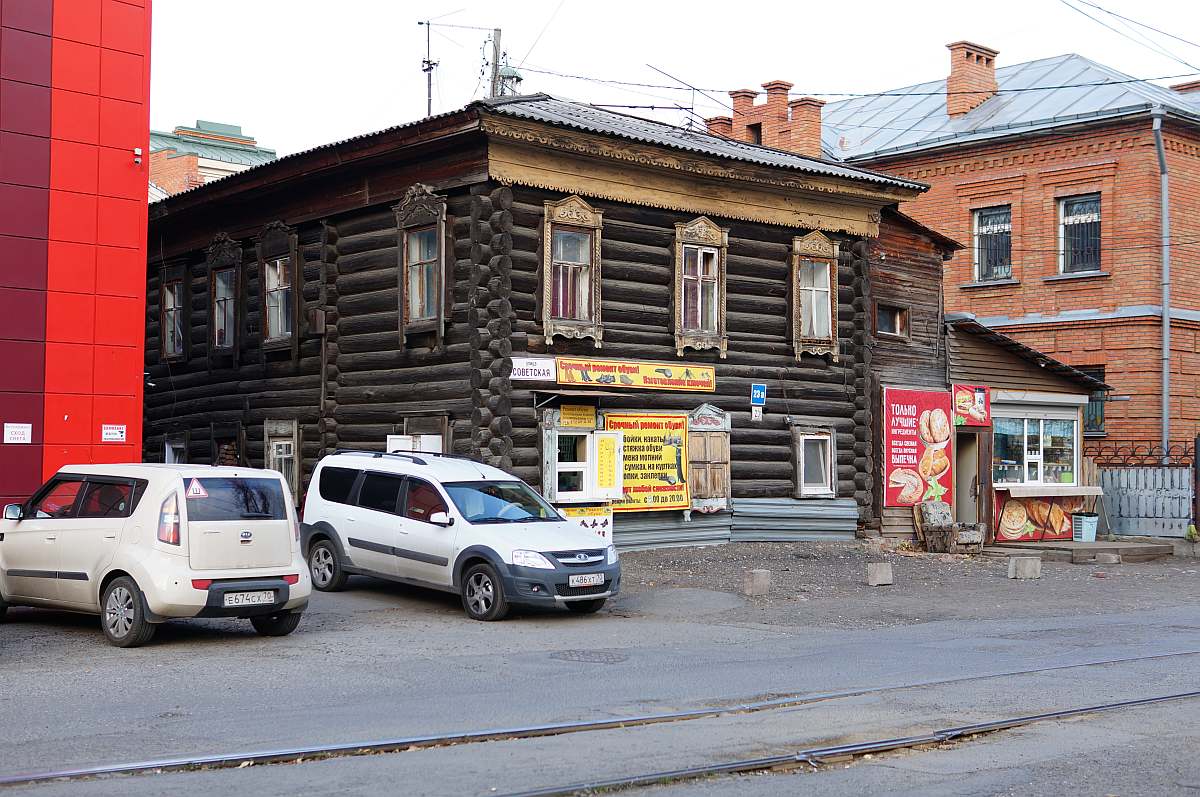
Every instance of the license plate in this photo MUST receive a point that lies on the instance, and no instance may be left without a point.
(249, 598)
(585, 580)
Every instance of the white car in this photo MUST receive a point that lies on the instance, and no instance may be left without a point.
(453, 524)
(140, 544)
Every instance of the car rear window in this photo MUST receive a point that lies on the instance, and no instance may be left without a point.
(336, 484)
(235, 499)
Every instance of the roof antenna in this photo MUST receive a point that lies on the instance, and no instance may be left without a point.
(427, 66)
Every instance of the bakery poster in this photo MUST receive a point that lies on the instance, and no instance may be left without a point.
(918, 447)
(972, 405)
(1032, 519)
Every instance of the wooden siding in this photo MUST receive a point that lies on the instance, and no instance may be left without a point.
(975, 361)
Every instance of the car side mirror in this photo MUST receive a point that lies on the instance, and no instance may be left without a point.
(441, 519)
(13, 512)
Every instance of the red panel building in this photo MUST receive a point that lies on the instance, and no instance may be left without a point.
(74, 131)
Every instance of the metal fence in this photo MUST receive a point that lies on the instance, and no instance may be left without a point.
(1148, 489)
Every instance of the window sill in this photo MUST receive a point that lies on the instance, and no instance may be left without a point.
(893, 337)
(1095, 435)
(277, 343)
(811, 496)
(1081, 275)
(1004, 283)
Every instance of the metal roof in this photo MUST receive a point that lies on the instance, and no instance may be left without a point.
(224, 151)
(1031, 97)
(965, 322)
(579, 116)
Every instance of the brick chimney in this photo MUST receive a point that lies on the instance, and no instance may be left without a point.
(806, 126)
(972, 77)
(1191, 87)
(790, 125)
(720, 126)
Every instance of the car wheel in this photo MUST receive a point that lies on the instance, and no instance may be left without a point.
(325, 567)
(483, 594)
(280, 624)
(123, 614)
(586, 607)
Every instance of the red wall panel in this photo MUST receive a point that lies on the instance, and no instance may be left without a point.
(24, 160)
(74, 116)
(70, 317)
(22, 315)
(71, 267)
(74, 166)
(123, 272)
(120, 321)
(24, 366)
(31, 15)
(68, 419)
(76, 67)
(69, 368)
(22, 262)
(24, 108)
(72, 217)
(77, 20)
(24, 56)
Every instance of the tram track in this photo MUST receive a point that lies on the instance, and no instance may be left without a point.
(309, 753)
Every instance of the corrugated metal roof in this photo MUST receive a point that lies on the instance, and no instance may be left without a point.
(564, 113)
(226, 152)
(966, 322)
(914, 117)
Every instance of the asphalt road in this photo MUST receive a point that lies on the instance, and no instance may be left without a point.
(383, 661)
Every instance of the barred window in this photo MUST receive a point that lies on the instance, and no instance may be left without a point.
(993, 243)
(1079, 233)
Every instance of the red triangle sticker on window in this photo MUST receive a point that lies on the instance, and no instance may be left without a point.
(196, 489)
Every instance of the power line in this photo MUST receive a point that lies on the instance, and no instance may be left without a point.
(1141, 24)
(541, 32)
(851, 94)
(1122, 34)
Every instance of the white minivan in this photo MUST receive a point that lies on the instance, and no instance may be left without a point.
(453, 524)
(140, 544)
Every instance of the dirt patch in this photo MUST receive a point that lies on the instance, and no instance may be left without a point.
(825, 584)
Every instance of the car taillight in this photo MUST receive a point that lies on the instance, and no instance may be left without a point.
(201, 583)
(294, 578)
(168, 521)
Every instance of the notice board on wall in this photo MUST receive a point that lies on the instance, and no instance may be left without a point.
(655, 461)
(918, 446)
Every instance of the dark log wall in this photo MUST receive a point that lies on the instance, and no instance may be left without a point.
(906, 271)
(637, 257)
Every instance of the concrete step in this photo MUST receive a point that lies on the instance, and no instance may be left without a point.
(1082, 552)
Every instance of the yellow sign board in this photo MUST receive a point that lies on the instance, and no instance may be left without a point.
(654, 467)
(606, 461)
(596, 519)
(635, 375)
(577, 416)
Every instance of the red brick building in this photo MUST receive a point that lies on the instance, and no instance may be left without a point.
(1050, 172)
(74, 124)
(191, 156)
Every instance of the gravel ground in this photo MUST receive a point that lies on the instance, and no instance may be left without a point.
(824, 584)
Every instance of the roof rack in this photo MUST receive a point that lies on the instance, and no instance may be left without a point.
(405, 454)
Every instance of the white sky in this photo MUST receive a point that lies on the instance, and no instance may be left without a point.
(299, 73)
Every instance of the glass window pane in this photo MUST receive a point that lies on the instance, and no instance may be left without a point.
(816, 462)
(807, 323)
(1058, 452)
(570, 481)
(691, 303)
(223, 284)
(1008, 446)
(807, 274)
(708, 302)
(821, 321)
(380, 492)
(1033, 437)
(423, 501)
(571, 246)
(572, 448)
(691, 266)
(59, 501)
(422, 245)
(708, 262)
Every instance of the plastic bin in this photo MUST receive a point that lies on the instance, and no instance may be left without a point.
(1083, 526)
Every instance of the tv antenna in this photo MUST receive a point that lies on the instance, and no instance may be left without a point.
(427, 66)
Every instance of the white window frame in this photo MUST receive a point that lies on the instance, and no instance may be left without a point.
(173, 442)
(434, 312)
(224, 309)
(551, 467)
(799, 438)
(1004, 412)
(428, 443)
(574, 215)
(975, 214)
(813, 248)
(1062, 232)
(281, 266)
(172, 317)
(277, 434)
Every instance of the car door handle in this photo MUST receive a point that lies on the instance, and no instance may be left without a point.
(110, 536)
(51, 538)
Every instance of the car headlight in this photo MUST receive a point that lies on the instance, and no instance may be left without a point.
(612, 554)
(531, 559)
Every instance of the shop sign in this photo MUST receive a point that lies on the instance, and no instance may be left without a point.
(596, 519)
(20, 434)
(918, 445)
(577, 416)
(112, 433)
(532, 369)
(1029, 519)
(636, 375)
(654, 466)
(972, 405)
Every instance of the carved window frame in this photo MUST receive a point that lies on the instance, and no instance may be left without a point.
(572, 212)
(816, 248)
(280, 242)
(703, 233)
(421, 208)
(224, 254)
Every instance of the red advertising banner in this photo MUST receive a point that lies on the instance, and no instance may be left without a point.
(918, 445)
(972, 405)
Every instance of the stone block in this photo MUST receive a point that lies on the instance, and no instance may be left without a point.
(1024, 567)
(757, 582)
(1105, 558)
(879, 574)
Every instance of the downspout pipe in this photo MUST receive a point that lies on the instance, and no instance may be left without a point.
(1164, 210)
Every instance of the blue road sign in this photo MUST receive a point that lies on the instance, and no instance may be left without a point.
(758, 395)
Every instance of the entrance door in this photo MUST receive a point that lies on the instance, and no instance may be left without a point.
(967, 477)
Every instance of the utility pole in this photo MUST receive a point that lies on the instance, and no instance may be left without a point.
(427, 67)
(495, 90)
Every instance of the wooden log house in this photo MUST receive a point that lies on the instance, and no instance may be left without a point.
(580, 297)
